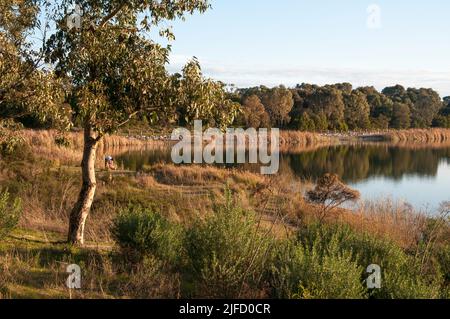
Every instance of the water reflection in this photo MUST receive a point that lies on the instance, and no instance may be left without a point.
(355, 163)
(420, 175)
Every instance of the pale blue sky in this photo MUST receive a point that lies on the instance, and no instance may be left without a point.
(252, 42)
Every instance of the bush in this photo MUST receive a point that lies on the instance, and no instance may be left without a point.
(402, 277)
(142, 232)
(229, 254)
(10, 139)
(317, 272)
(10, 211)
(62, 141)
(444, 262)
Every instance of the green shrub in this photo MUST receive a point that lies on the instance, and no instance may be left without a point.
(143, 232)
(444, 262)
(229, 253)
(317, 272)
(402, 278)
(62, 141)
(10, 211)
(10, 139)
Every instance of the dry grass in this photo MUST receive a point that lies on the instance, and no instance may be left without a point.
(305, 139)
(413, 136)
(42, 142)
(194, 175)
(387, 219)
(438, 135)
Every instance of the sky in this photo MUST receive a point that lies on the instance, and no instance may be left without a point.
(268, 42)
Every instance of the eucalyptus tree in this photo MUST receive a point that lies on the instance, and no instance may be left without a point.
(202, 98)
(115, 70)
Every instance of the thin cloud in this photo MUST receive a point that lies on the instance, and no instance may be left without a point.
(245, 76)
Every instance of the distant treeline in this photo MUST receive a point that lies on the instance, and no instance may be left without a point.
(340, 107)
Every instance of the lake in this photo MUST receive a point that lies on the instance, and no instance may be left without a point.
(419, 176)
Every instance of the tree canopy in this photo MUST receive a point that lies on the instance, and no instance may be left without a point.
(340, 107)
(27, 87)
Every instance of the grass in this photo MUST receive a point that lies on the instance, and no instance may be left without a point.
(411, 136)
(418, 136)
(305, 139)
(43, 144)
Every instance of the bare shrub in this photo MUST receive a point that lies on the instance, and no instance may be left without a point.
(331, 193)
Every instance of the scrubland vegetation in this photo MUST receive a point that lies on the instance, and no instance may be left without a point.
(205, 232)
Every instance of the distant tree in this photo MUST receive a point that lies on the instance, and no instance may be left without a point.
(402, 107)
(331, 193)
(345, 88)
(380, 122)
(401, 117)
(446, 109)
(330, 102)
(297, 109)
(306, 123)
(425, 106)
(278, 103)
(254, 113)
(320, 122)
(396, 93)
(446, 101)
(257, 90)
(357, 111)
(443, 118)
(338, 107)
(300, 96)
(441, 121)
(380, 107)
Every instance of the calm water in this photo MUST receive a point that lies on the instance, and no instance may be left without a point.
(419, 176)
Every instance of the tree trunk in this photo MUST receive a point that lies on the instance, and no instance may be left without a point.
(83, 206)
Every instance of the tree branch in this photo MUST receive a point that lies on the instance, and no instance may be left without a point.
(111, 15)
(130, 117)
